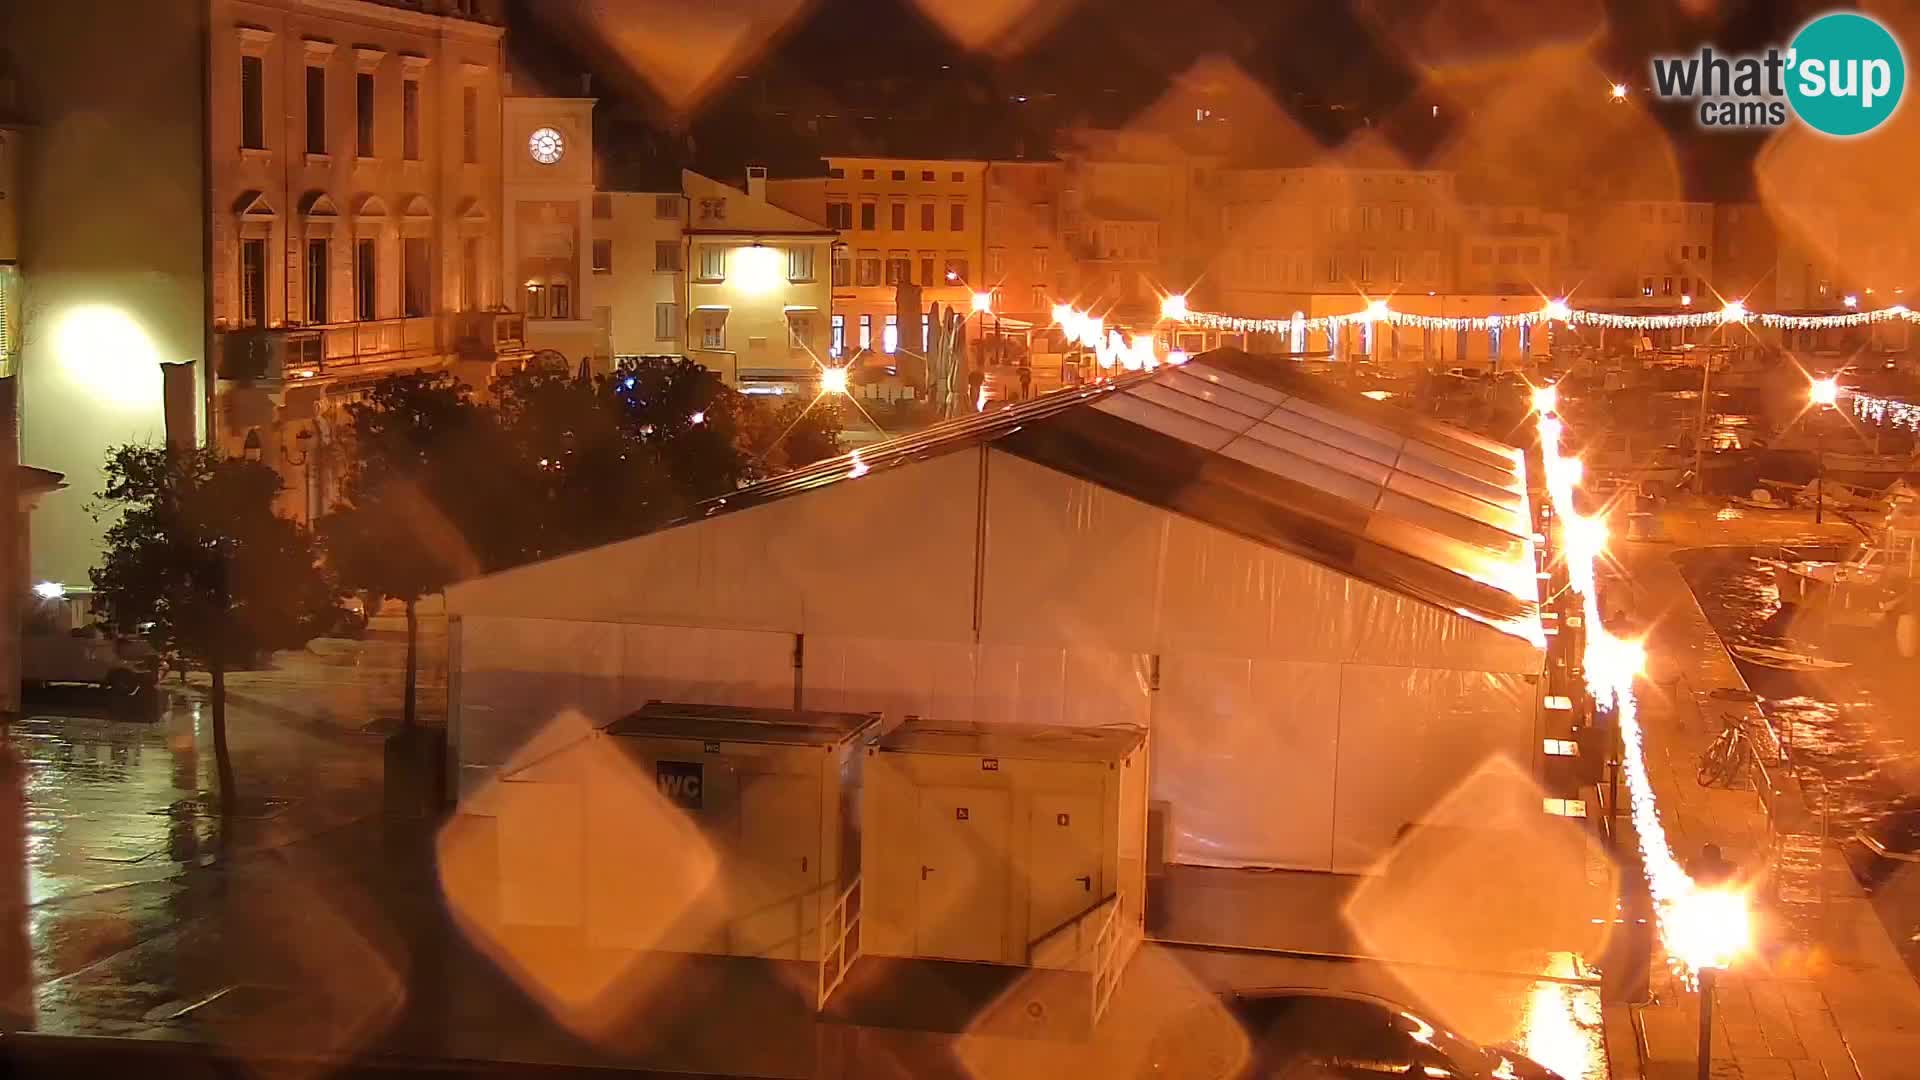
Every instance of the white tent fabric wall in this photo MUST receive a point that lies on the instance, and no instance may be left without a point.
(1304, 712)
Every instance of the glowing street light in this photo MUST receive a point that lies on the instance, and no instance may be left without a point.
(1686, 299)
(833, 380)
(982, 303)
(1062, 313)
(1735, 311)
(1852, 301)
(1546, 398)
(1618, 91)
(1824, 391)
(1557, 310)
(50, 590)
(1377, 311)
(1174, 306)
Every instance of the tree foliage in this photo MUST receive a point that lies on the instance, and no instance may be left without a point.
(201, 559)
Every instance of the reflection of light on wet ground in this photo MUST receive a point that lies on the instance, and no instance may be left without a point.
(1563, 1031)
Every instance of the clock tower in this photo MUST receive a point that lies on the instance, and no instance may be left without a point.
(547, 177)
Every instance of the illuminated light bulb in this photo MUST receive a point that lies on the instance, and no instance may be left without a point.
(1173, 307)
(1709, 927)
(1735, 311)
(1686, 299)
(1546, 398)
(1061, 313)
(1555, 309)
(1377, 311)
(1618, 91)
(982, 302)
(833, 380)
(698, 418)
(50, 590)
(1824, 391)
(1852, 301)
(755, 269)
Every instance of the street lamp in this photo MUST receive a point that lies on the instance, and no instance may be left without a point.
(1823, 393)
(1618, 92)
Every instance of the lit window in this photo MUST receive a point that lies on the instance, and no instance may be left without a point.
(800, 262)
(799, 330)
(713, 263)
(838, 345)
(713, 329)
(890, 334)
(866, 332)
(666, 322)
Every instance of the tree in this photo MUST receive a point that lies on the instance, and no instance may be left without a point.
(203, 564)
(791, 434)
(428, 498)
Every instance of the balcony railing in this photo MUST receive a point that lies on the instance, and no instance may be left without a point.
(305, 352)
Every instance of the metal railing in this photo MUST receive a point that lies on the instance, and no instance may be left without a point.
(1108, 956)
(839, 943)
(310, 351)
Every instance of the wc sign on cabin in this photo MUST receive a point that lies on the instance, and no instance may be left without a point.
(681, 782)
(1843, 75)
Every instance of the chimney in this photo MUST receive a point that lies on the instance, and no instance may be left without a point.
(757, 182)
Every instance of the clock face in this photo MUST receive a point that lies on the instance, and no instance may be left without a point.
(545, 145)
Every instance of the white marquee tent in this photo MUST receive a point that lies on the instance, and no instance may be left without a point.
(1322, 607)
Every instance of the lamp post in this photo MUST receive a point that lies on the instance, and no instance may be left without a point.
(304, 440)
(1705, 1054)
(1823, 393)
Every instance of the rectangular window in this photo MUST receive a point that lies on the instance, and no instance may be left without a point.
(363, 114)
(839, 215)
(713, 211)
(899, 270)
(957, 217)
(316, 110)
(1366, 267)
(958, 177)
(869, 268)
(838, 344)
(666, 254)
(897, 216)
(1646, 286)
(366, 279)
(926, 268)
(1040, 259)
(996, 262)
(1399, 269)
(866, 332)
(666, 207)
(842, 267)
(416, 276)
(713, 329)
(1333, 268)
(470, 273)
(317, 263)
(869, 215)
(253, 108)
(899, 174)
(666, 322)
(926, 332)
(926, 175)
(1039, 299)
(1406, 219)
(956, 271)
(713, 263)
(866, 174)
(536, 301)
(410, 119)
(799, 330)
(470, 124)
(800, 262)
(926, 217)
(253, 282)
(1686, 286)
(890, 335)
(1666, 286)
(603, 256)
(837, 173)
(559, 301)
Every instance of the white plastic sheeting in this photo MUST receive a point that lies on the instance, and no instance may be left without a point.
(518, 676)
(1304, 714)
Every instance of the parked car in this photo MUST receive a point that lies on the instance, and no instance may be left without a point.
(122, 666)
(1308, 1034)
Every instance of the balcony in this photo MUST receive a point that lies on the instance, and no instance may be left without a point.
(274, 355)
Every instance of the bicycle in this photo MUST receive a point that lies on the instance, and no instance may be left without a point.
(1726, 758)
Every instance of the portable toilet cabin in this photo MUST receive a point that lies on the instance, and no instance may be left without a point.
(775, 793)
(1006, 844)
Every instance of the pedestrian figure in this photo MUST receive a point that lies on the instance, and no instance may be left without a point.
(1026, 381)
(1711, 867)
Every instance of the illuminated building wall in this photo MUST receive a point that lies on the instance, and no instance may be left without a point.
(1024, 261)
(641, 238)
(758, 285)
(1645, 253)
(112, 223)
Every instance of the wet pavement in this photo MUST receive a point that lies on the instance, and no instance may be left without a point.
(123, 843)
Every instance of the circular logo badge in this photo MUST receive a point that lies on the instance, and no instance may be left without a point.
(1846, 74)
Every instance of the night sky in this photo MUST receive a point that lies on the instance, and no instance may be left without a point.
(883, 77)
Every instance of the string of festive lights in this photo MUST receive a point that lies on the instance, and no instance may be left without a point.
(1702, 926)
(1550, 311)
(1881, 410)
